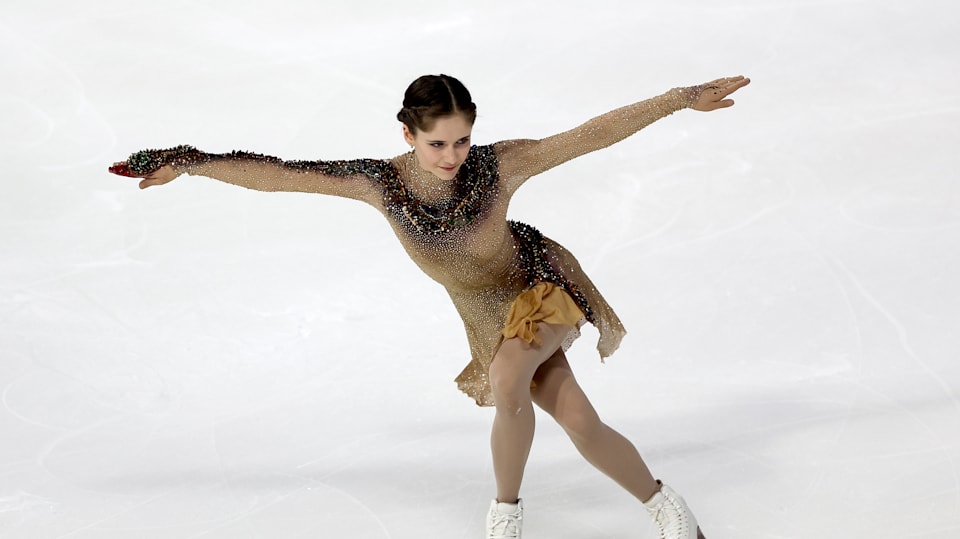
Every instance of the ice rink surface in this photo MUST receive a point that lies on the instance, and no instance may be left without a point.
(203, 361)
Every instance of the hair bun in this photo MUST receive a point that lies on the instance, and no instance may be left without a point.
(434, 96)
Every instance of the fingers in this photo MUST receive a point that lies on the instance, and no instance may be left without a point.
(715, 105)
(149, 181)
(736, 85)
(732, 80)
(727, 80)
(715, 92)
(162, 175)
(727, 85)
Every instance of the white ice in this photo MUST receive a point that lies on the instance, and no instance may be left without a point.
(202, 361)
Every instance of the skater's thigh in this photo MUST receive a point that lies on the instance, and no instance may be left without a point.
(557, 392)
(516, 361)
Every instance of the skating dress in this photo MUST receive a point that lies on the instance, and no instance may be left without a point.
(460, 237)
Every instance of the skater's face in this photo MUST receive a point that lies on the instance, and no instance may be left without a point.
(444, 148)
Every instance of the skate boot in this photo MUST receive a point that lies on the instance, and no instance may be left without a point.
(672, 516)
(504, 521)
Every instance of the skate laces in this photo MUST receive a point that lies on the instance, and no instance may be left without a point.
(671, 517)
(505, 525)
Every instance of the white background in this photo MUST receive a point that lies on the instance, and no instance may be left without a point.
(202, 361)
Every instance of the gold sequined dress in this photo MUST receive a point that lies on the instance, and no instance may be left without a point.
(461, 239)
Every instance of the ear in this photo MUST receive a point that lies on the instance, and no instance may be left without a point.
(407, 135)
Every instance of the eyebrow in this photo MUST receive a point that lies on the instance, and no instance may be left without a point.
(459, 139)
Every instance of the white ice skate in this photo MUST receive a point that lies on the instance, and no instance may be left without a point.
(672, 516)
(505, 520)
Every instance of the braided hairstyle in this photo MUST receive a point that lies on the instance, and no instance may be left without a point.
(431, 97)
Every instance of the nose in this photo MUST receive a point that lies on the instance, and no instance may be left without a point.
(449, 154)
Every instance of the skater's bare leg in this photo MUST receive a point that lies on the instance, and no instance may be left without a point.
(511, 371)
(559, 394)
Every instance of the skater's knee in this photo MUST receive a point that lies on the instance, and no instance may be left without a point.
(510, 386)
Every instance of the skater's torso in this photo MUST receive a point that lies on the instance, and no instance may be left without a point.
(460, 237)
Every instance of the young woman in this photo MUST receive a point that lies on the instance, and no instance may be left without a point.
(522, 297)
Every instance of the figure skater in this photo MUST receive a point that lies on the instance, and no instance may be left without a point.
(522, 296)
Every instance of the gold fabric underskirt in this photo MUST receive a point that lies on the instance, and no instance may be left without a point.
(545, 302)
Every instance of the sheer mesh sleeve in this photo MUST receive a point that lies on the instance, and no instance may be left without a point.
(521, 159)
(358, 179)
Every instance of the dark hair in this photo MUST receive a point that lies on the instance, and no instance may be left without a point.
(431, 97)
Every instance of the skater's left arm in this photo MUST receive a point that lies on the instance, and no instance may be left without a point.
(521, 159)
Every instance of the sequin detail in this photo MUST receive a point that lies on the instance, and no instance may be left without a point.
(534, 262)
(146, 161)
(476, 186)
(476, 182)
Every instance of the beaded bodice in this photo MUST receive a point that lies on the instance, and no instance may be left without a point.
(474, 188)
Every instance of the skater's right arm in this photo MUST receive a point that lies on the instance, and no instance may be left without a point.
(350, 179)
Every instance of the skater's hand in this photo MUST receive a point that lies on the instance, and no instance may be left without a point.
(162, 175)
(714, 93)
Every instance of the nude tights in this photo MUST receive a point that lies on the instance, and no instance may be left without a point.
(556, 392)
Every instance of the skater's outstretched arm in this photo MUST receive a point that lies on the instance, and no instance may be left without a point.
(351, 179)
(521, 159)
